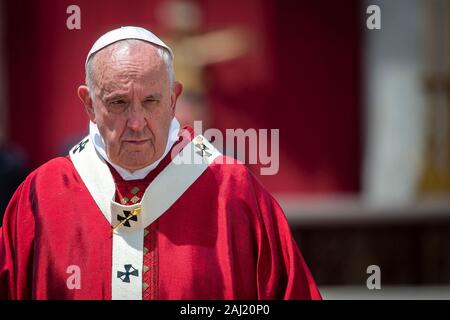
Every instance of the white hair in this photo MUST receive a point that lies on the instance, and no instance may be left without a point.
(163, 53)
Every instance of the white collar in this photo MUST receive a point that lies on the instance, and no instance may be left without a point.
(99, 145)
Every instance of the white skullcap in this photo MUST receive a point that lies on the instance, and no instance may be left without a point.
(126, 33)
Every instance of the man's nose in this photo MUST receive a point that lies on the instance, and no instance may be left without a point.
(136, 117)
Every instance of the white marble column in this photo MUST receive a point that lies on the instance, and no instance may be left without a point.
(393, 66)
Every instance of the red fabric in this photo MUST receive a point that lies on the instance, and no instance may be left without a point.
(225, 238)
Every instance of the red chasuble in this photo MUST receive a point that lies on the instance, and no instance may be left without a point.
(224, 238)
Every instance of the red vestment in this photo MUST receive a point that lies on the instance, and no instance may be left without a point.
(224, 238)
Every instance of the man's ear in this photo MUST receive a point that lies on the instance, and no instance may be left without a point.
(83, 93)
(177, 90)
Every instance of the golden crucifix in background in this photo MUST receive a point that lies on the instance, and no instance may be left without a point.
(194, 50)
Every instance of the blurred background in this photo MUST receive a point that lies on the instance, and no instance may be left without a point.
(364, 115)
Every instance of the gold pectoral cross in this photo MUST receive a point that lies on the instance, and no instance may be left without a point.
(134, 213)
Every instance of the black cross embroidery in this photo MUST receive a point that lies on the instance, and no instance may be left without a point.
(80, 146)
(202, 150)
(125, 276)
(127, 218)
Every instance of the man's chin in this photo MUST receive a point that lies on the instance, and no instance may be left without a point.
(133, 166)
(138, 162)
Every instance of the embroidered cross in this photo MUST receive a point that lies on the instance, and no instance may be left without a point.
(125, 276)
(125, 220)
(80, 146)
(203, 150)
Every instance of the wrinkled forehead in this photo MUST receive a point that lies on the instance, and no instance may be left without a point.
(130, 50)
(128, 59)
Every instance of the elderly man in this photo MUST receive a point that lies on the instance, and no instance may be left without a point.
(125, 216)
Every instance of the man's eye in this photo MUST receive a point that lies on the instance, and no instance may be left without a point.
(118, 102)
(117, 106)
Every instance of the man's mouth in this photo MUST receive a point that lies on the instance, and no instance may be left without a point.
(137, 142)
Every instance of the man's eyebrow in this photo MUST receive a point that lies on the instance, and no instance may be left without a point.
(113, 96)
(156, 96)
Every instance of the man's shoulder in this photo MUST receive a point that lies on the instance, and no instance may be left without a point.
(53, 168)
(47, 178)
(234, 172)
(229, 166)
(237, 183)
